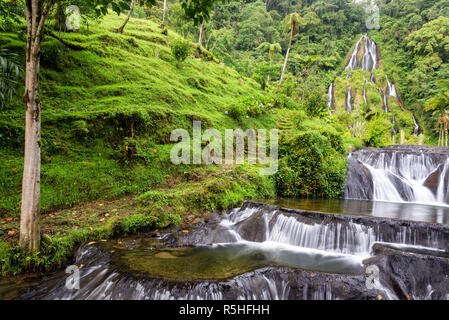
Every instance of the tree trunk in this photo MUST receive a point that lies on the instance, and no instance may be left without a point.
(164, 14)
(200, 39)
(36, 13)
(131, 7)
(285, 61)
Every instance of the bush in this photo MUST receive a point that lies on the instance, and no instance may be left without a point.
(310, 166)
(315, 104)
(180, 50)
(378, 131)
(141, 223)
(236, 111)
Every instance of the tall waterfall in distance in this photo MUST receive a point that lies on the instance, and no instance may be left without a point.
(348, 100)
(370, 58)
(417, 130)
(399, 174)
(395, 130)
(353, 63)
(384, 100)
(330, 96)
(391, 90)
(365, 100)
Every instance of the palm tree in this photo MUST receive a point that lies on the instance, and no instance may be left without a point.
(9, 72)
(291, 22)
(272, 49)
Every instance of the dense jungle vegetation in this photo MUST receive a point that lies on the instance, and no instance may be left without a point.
(110, 101)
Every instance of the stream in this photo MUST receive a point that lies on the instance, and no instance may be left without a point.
(395, 219)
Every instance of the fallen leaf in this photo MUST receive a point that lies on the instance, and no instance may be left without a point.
(90, 228)
(11, 232)
(80, 266)
(312, 275)
(101, 220)
(379, 297)
(106, 215)
(14, 169)
(90, 243)
(185, 231)
(8, 219)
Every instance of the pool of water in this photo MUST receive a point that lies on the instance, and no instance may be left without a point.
(227, 260)
(392, 210)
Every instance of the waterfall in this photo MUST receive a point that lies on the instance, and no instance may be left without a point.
(353, 63)
(384, 100)
(299, 255)
(373, 78)
(400, 175)
(391, 90)
(365, 100)
(347, 239)
(395, 126)
(348, 100)
(417, 130)
(330, 95)
(369, 60)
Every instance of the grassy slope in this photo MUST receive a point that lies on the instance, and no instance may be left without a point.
(107, 114)
(91, 97)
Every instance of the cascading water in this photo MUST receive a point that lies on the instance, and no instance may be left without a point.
(391, 90)
(384, 98)
(395, 129)
(353, 61)
(330, 96)
(417, 129)
(348, 100)
(400, 174)
(257, 251)
(365, 100)
(369, 60)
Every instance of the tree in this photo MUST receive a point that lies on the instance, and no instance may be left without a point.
(131, 7)
(164, 14)
(272, 49)
(200, 38)
(36, 12)
(291, 22)
(439, 103)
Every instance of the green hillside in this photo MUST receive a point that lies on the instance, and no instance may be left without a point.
(110, 102)
(374, 84)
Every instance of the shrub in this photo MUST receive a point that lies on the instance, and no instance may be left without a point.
(378, 131)
(180, 50)
(310, 166)
(236, 111)
(314, 103)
